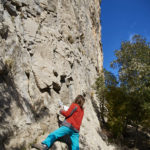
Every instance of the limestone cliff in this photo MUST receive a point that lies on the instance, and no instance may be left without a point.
(49, 50)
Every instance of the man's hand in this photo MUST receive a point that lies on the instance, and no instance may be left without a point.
(64, 107)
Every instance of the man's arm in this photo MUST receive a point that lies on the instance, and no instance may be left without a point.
(69, 112)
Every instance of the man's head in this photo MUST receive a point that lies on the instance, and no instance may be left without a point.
(80, 100)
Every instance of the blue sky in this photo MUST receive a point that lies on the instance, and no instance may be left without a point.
(120, 20)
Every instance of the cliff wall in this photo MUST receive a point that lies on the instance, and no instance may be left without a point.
(49, 50)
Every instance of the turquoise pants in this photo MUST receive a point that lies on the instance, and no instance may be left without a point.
(74, 136)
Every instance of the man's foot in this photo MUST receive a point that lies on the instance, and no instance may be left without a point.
(40, 146)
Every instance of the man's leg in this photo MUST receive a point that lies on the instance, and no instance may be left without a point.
(56, 134)
(75, 141)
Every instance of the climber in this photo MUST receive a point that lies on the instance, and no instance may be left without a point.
(70, 126)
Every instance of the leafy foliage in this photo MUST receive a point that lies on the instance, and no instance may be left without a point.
(100, 91)
(128, 99)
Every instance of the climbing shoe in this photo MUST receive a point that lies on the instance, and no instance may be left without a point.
(40, 146)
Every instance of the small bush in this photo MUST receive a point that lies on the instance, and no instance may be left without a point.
(9, 62)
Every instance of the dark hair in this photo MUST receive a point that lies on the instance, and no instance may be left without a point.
(79, 100)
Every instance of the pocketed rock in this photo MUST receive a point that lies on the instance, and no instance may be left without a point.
(49, 50)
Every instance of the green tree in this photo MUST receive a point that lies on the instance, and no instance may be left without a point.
(133, 62)
(100, 92)
(128, 98)
(110, 79)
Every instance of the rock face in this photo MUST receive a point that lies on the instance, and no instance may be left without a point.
(49, 50)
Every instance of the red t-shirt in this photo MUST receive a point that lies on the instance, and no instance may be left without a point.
(74, 116)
